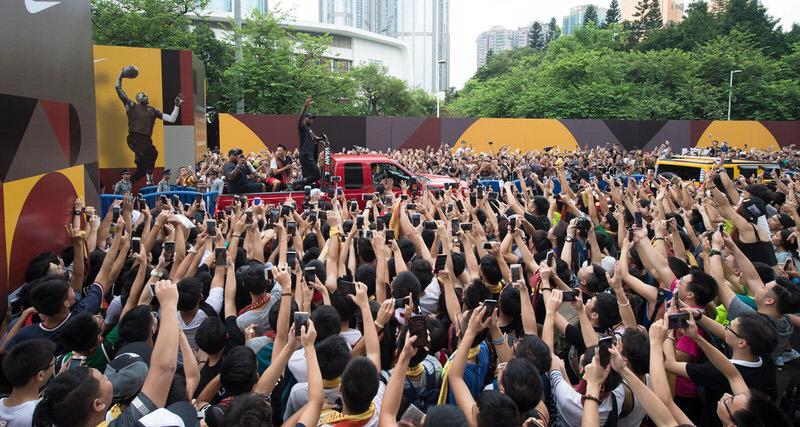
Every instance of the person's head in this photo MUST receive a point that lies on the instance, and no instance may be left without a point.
(74, 397)
(636, 350)
(233, 155)
(81, 333)
(407, 284)
(51, 295)
(327, 322)
(249, 410)
(490, 269)
(780, 221)
(603, 311)
(181, 171)
(126, 174)
(781, 239)
(344, 305)
(238, 371)
(697, 288)
(360, 382)
(474, 293)
(420, 355)
(211, 335)
(495, 409)
(30, 360)
(281, 151)
(333, 356)
(480, 336)
(308, 120)
(612, 380)
(781, 294)
(751, 331)
(142, 98)
(445, 416)
(592, 279)
(136, 325)
(423, 271)
(190, 291)
(534, 349)
(520, 380)
(254, 281)
(750, 410)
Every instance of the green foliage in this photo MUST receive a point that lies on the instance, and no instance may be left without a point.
(613, 14)
(379, 94)
(160, 24)
(536, 37)
(554, 31)
(590, 16)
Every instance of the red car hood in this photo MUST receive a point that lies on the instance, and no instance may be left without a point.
(439, 180)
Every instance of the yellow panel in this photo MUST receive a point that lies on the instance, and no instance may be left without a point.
(15, 194)
(522, 134)
(235, 134)
(738, 134)
(112, 122)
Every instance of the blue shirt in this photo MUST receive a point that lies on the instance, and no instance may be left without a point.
(473, 375)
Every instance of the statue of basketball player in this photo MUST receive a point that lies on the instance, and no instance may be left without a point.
(141, 119)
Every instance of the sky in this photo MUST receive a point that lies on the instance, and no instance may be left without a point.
(469, 18)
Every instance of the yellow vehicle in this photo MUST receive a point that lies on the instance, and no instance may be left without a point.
(688, 168)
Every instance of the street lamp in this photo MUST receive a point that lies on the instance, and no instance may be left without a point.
(438, 84)
(730, 92)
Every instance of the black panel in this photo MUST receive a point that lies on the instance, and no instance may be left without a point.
(170, 81)
(634, 135)
(15, 114)
(74, 135)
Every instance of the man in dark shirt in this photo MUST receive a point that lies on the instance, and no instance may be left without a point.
(141, 119)
(309, 144)
(236, 171)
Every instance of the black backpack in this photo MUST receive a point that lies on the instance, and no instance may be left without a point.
(790, 400)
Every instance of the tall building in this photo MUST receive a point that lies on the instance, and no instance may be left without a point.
(574, 20)
(424, 25)
(224, 7)
(500, 39)
(671, 10)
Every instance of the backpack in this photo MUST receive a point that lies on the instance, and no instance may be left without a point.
(790, 399)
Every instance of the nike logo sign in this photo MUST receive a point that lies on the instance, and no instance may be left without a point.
(34, 6)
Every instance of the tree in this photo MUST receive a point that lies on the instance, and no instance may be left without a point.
(379, 94)
(718, 7)
(553, 32)
(613, 14)
(536, 37)
(161, 24)
(217, 56)
(590, 15)
(648, 15)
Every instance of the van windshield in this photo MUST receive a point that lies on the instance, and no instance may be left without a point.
(684, 172)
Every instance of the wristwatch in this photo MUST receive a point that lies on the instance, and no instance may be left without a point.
(569, 239)
(698, 314)
(157, 274)
(714, 252)
(77, 212)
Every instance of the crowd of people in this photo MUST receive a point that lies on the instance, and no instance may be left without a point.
(631, 303)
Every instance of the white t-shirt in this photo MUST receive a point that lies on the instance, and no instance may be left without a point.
(17, 416)
(351, 337)
(215, 297)
(568, 401)
(429, 303)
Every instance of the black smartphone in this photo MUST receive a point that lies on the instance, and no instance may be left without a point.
(339, 191)
(490, 305)
(441, 261)
(369, 234)
(415, 219)
(516, 272)
(630, 234)
(389, 235)
(492, 195)
(450, 207)
(637, 219)
(322, 215)
(211, 226)
(379, 223)
(136, 244)
(722, 227)
(404, 197)
(455, 225)
(569, 296)
(249, 214)
(274, 215)
(429, 225)
(787, 264)
(513, 222)
(142, 204)
(466, 226)
(353, 205)
(312, 217)
(75, 361)
(300, 320)
(291, 257)
(603, 346)
(367, 197)
(678, 320)
(472, 199)
(114, 214)
(417, 328)
(346, 286)
(310, 274)
(228, 210)
(285, 210)
(152, 287)
(219, 257)
(550, 256)
(199, 216)
(291, 227)
(487, 246)
(359, 222)
(411, 206)
(169, 251)
(400, 302)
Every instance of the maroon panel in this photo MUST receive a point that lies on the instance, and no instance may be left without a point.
(58, 114)
(379, 133)
(786, 133)
(40, 227)
(187, 89)
(402, 129)
(429, 133)
(272, 129)
(698, 129)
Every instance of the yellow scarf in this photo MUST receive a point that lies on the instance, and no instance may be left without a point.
(334, 417)
(473, 352)
(334, 383)
(415, 370)
(495, 289)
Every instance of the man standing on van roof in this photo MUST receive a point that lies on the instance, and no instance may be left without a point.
(309, 145)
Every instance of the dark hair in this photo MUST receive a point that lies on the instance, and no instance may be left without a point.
(67, 400)
(248, 410)
(786, 295)
(275, 309)
(509, 303)
(760, 411)
(605, 305)
(327, 322)
(238, 370)
(80, 332)
(190, 290)
(420, 355)
(596, 280)
(405, 284)
(407, 248)
(613, 380)
(136, 325)
(522, 383)
(534, 349)
(636, 348)
(366, 274)
(758, 332)
(49, 294)
(678, 266)
(423, 270)
(333, 355)
(360, 382)
(481, 336)
(541, 205)
(211, 335)
(27, 359)
(365, 250)
(491, 269)
(37, 269)
(496, 410)
(475, 293)
(254, 281)
(703, 286)
(445, 416)
(345, 306)
(459, 263)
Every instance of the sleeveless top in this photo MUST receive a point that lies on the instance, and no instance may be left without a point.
(759, 251)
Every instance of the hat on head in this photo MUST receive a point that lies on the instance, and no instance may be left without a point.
(125, 171)
(181, 414)
(211, 172)
(166, 172)
(126, 373)
(234, 152)
(752, 208)
(311, 116)
(786, 220)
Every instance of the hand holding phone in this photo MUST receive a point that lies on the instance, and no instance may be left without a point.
(300, 320)
(489, 305)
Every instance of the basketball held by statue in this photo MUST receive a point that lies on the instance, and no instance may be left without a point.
(130, 72)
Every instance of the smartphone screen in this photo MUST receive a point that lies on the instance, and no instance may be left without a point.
(219, 257)
(487, 246)
(359, 222)
(379, 223)
(291, 227)
(75, 362)
(400, 302)
(415, 219)
(678, 320)
(114, 213)
(211, 226)
(466, 226)
(416, 327)
(516, 272)
(153, 289)
(300, 320)
(199, 216)
(550, 256)
(569, 296)
(455, 225)
(310, 274)
(389, 235)
(346, 286)
(169, 250)
(721, 227)
(490, 305)
(136, 244)
(603, 353)
(291, 257)
(142, 204)
(637, 219)
(441, 261)
(285, 210)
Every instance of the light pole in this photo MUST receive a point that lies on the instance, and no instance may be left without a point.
(439, 64)
(730, 92)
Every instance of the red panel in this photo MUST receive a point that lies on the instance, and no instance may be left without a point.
(429, 133)
(4, 291)
(40, 227)
(187, 88)
(58, 115)
(698, 128)
(786, 133)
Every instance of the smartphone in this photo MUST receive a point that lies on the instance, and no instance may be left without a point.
(450, 207)
(787, 264)
(268, 274)
(637, 219)
(310, 274)
(291, 227)
(367, 197)
(211, 226)
(441, 261)
(400, 302)
(550, 256)
(76, 361)
(312, 217)
(678, 320)
(404, 197)
(389, 235)
(228, 210)
(274, 214)
(721, 227)
(603, 346)
(114, 214)
(249, 214)
(630, 234)
(516, 272)
(455, 225)
(339, 191)
(466, 226)
(136, 244)
(429, 225)
(169, 251)
(300, 320)
(416, 328)
(490, 305)
(415, 219)
(307, 190)
(359, 222)
(513, 222)
(569, 296)
(285, 210)
(472, 199)
(257, 201)
(142, 204)
(379, 223)
(389, 199)
(492, 195)
(153, 289)
(412, 206)
(353, 205)
(487, 246)
(219, 257)
(291, 257)
(369, 234)
(346, 286)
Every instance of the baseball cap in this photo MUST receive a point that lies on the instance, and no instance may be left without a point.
(235, 151)
(786, 220)
(752, 208)
(126, 373)
(180, 414)
(311, 116)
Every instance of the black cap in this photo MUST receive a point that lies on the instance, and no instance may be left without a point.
(233, 151)
(212, 172)
(124, 171)
(166, 172)
(311, 116)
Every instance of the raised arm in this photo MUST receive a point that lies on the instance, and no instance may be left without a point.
(165, 351)
(174, 115)
(370, 334)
